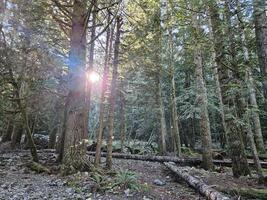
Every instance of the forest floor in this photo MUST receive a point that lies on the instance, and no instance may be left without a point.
(18, 182)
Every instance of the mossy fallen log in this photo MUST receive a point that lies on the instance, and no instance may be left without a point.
(181, 161)
(197, 184)
(37, 167)
(248, 193)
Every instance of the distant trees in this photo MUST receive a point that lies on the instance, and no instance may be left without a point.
(175, 74)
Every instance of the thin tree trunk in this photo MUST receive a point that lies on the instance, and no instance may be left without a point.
(202, 100)
(255, 115)
(163, 129)
(122, 115)
(104, 84)
(90, 68)
(223, 138)
(254, 150)
(112, 98)
(175, 118)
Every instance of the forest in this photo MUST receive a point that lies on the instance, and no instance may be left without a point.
(133, 99)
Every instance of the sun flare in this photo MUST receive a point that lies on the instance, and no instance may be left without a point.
(93, 77)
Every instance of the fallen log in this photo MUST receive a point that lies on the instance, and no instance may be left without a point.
(181, 161)
(197, 184)
(185, 161)
(249, 193)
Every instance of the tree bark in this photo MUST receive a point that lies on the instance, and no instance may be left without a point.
(236, 146)
(90, 68)
(112, 98)
(104, 84)
(75, 134)
(122, 115)
(202, 100)
(16, 136)
(197, 184)
(163, 129)
(260, 21)
(8, 133)
(175, 118)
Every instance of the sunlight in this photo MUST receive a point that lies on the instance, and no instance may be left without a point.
(93, 77)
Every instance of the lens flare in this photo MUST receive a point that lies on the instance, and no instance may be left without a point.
(93, 77)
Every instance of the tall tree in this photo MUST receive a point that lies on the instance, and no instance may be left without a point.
(236, 146)
(260, 21)
(74, 136)
(113, 89)
(202, 98)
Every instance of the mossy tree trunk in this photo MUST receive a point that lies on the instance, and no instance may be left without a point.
(236, 146)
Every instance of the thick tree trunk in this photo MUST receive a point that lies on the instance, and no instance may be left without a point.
(112, 98)
(16, 136)
(202, 101)
(75, 128)
(236, 146)
(104, 83)
(260, 20)
(197, 184)
(8, 133)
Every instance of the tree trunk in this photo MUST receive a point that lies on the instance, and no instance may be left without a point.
(197, 184)
(104, 85)
(260, 21)
(254, 150)
(223, 138)
(8, 133)
(112, 98)
(255, 115)
(175, 118)
(16, 136)
(163, 129)
(236, 146)
(75, 128)
(90, 67)
(122, 115)
(252, 97)
(202, 101)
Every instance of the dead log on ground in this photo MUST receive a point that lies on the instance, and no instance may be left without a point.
(197, 184)
(181, 161)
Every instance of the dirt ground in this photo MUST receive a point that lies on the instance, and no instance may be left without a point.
(18, 182)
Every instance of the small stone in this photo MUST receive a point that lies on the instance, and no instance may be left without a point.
(159, 182)
(127, 192)
(146, 198)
